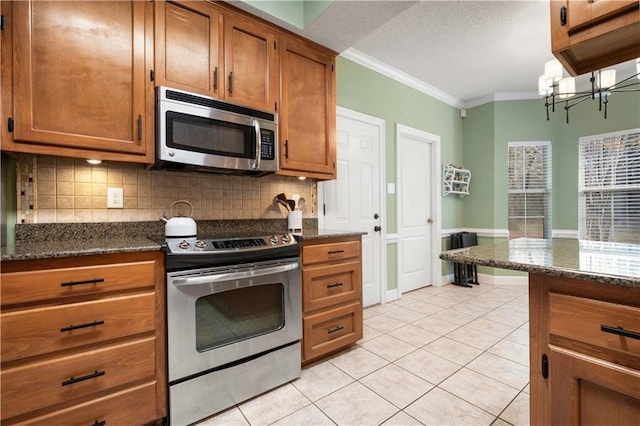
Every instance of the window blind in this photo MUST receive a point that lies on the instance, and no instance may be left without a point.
(529, 189)
(610, 187)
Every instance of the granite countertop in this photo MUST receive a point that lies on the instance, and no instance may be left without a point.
(42, 241)
(609, 263)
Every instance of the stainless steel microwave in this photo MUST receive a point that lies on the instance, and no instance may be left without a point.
(199, 133)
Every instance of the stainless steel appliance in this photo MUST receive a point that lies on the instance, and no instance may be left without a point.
(199, 133)
(234, 321)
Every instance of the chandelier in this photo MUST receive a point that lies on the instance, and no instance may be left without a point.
(557, 89)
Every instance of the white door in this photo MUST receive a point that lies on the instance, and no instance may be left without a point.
(353, 202)
(418, 203)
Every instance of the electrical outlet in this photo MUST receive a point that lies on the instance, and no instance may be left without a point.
(115, 198)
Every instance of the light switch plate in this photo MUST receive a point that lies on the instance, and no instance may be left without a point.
(115, 198)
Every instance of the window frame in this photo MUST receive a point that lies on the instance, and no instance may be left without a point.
(614, 228)
(546, 191)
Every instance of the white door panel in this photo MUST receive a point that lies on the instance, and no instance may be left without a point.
(418, 156)
(355, 197)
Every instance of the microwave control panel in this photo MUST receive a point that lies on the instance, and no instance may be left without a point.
(268, 149)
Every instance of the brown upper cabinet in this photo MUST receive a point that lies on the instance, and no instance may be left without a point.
(308, 110)
(203, 48)
(78, 79)
(587, 35)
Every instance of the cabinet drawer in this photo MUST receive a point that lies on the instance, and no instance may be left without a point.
(21, 287)
(135, 406)
(582, 320)
(37, 331)
(45, 383)
(331, 330)
(330, 252)
(329, 285)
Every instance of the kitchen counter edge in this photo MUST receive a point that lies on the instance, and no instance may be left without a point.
(70, 248)
(467, 256)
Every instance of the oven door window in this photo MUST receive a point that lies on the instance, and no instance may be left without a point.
(238, 314)
(209, 136)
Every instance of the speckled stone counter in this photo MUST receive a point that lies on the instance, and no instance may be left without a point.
(49, 240)
(608, 263)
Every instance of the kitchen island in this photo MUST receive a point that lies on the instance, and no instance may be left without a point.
(584, 325)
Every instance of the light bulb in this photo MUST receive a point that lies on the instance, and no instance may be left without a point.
(553, 71)
(606, 79)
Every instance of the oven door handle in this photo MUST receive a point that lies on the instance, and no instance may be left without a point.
(240, 275)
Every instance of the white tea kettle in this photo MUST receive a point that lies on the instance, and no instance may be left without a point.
(180, 226)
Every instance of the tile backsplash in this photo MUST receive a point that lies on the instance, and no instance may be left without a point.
(58, 190)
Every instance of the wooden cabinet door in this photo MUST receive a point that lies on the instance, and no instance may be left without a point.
(308, 112)
(251, 66)
(79, 77)
(582, 13)
(589, 391)
(188, 47)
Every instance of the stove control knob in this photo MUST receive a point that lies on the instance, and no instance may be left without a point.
(201, 244)
(184, 244)
(285, 238)
(273, 239)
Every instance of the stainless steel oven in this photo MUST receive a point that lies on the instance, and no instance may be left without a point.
(234, 322)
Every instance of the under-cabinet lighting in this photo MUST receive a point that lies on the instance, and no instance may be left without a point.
(93, 161)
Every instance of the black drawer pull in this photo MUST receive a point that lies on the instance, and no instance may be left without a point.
(620, 331)
(334, 329)
(93, 281)
(99, 423)
(75, 327)
(335, 251)
(334, 285)
(93, 375)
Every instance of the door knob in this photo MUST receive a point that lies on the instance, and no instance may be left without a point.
(429, 220)
(376, 215)
(377, 228)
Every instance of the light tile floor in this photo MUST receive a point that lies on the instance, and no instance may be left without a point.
(438, 356)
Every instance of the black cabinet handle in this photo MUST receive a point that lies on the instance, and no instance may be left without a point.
(563, 16)
(620, 331)
(334, 329)
(231, 82)
(335, 251)
(215, 78)
(93, 375)
(99, 423)
(139, 127)
(286, 148)
(72, 283)
(334, 285)
(75, 327)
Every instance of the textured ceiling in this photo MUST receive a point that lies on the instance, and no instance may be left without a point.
(472, 51)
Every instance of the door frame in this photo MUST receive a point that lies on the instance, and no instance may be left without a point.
(436, 202)
(380, 124)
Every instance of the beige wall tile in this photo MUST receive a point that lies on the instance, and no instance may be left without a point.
(66, 190)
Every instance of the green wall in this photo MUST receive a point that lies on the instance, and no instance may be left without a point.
(360, 89)
(489, 128)
(479, 142)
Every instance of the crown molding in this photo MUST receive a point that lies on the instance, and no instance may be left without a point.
(386, 70)
(496, 97)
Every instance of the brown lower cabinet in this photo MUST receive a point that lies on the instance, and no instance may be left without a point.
(82, 340)
(585, 352)
(331, 295)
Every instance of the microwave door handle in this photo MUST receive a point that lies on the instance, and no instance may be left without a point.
(216, 278)
(256, 126)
